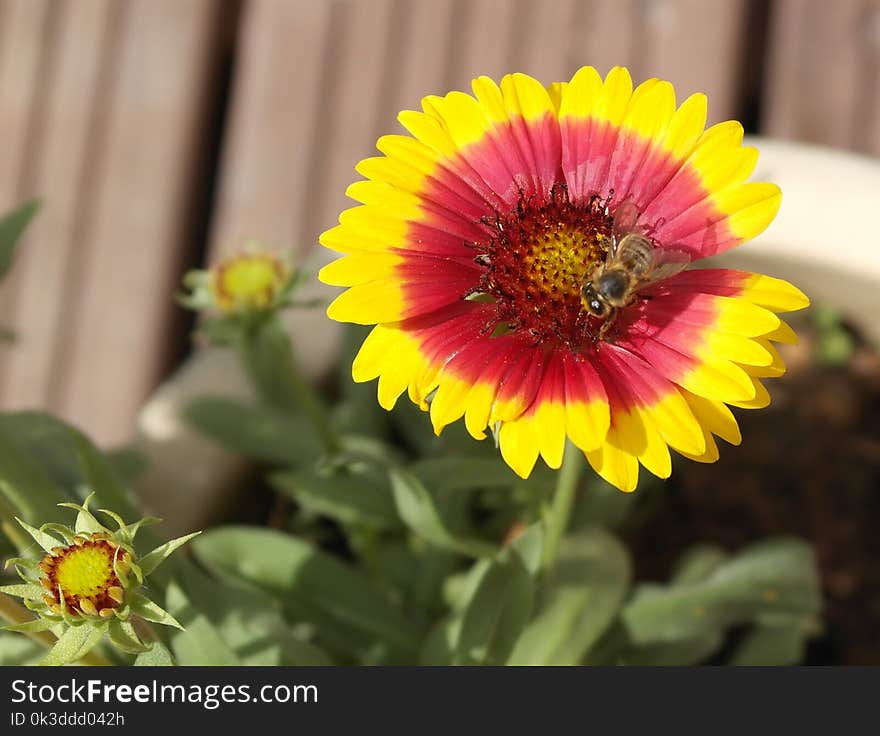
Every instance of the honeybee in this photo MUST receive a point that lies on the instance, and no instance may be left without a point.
(633, 263)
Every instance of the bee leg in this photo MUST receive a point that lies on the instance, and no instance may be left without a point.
(606, 325)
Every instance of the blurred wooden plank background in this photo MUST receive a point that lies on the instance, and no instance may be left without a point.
(116, 113)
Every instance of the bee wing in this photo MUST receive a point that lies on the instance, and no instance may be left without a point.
(625, 217)
(667, 263)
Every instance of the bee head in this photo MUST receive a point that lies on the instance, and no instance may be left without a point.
(592, 302)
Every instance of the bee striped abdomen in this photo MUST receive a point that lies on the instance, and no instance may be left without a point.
(636, 254)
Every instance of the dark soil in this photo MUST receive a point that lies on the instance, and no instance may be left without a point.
(809, 465)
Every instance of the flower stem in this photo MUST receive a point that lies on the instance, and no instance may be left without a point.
(13, 613)
(268, 358)
(557, 516)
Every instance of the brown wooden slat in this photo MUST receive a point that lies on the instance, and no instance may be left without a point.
(39, 278)
(544, 40)
(695, 44)
(22, 28)
(350, 110)
(132, 244)
(275, 110)
(822, 81)
(318, 82)
(423, 53)
(22, 23)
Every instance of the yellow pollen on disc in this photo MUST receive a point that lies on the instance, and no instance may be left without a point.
(537, 258)
(85, 571)
(559, 261)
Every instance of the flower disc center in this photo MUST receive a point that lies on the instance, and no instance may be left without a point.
(538, 257)
(85, 574)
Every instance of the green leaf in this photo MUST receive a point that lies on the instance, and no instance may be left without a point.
(308, 580)
(417, 509)
(11, 228)
(124, 637)
(772, 645)
(463, 473)
(156, 656)
(771, 581)
(151, 561)
(349, 499)
(267, 356)
(46, 541)
(438, 649)
(579, 600)
(127, 463)
(74, 644)
(249, 622)
(108, 490)
(530, 547)
(146, 609)
(682, 653)
(63, 461)
(496, 612)
(257, 432)
(30, 627)
(85, 519)
(697, 563)
(24, 590)
(25, 485)
(17, 650)
(200, 642)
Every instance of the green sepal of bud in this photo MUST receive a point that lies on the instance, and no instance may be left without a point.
(88, 584)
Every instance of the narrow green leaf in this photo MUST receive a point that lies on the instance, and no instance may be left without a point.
(200, 642)
(697, 563)
(146, 609)
(156, 656)
(46, 541)
(250, 622)
(579, 600)
(151, 561)
(682, 653)
(100, 477)
(85, 519)
(24, 590)
(774, 580)
(768, 645)
(30, 627)
(17, 650)
(11, 228)
(74, 644)
(308, 579)
(257, 432)
(123, 636)
(127, 463)
(463, 473)
(417, 509)
(26, 486)
(349, 499)
(438, 649)
(496, 613)
(530, 547)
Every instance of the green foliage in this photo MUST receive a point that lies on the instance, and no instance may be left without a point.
(388, 545)
(835, 342)
(257, 432)
(12, 226)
